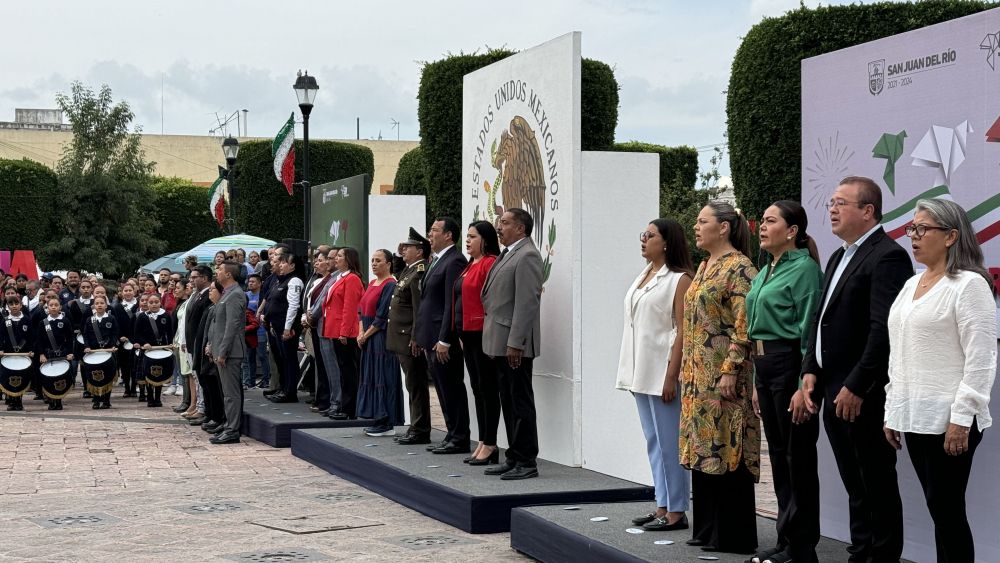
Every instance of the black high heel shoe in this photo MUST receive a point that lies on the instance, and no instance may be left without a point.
(492, 459)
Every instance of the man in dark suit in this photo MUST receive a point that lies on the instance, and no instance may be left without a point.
(436, 337)
(846, 364)
(512, 337)
(400, 338)
(227, 346)
(200, 277)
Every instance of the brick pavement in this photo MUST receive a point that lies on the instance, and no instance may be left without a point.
(150, 488)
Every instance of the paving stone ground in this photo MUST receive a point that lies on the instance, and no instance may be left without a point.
(133, 482)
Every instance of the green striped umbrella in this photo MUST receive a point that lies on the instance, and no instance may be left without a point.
(206, 250)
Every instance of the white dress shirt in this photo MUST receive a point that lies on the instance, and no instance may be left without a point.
(942, 355)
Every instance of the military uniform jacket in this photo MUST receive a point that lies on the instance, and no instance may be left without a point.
(109, 332)
(62, 334)
(403, 308)
(23, 334)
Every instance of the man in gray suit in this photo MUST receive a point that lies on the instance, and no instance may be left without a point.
(226, 346)
(512, 338)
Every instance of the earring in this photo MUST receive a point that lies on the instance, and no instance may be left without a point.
(788, 238)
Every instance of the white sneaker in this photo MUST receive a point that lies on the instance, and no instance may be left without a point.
(179, 391)
(170, 390)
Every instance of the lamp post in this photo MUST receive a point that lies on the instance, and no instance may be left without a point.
(305, 90)
(230, 148)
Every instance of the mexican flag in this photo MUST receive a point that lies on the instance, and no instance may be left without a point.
(217, 200)
(284, 154)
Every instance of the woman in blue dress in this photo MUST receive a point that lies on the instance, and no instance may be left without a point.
(380, 396)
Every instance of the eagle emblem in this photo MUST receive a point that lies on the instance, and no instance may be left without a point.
(60, 385)
(522, 175)
(15, 381)
(97, 375)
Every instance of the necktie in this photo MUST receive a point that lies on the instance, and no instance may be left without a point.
(504, 253)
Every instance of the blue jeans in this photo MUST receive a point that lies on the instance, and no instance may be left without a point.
(249, 368)
(661, 426)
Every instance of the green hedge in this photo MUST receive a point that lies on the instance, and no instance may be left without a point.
(263, 208)
(182, 209)
(28, 191)
(678, 165)
(411, 177)
(439, 111)
(764, 105)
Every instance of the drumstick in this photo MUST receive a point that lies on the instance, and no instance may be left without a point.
(17, 354)
(164, 347)
(92, 350)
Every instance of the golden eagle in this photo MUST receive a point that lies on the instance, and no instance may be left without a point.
(519, 160)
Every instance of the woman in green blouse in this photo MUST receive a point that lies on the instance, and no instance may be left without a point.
(780, 306)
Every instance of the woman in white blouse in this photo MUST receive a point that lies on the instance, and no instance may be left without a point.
(942, 362)
(650, 363)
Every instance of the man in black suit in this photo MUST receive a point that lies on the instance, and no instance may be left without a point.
(846, 364)
(200, 278)
(436, 337)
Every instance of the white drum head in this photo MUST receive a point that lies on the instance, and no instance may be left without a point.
(79, 338)
(55, 368)
(96, 358)
(16, 363)
(158, 354)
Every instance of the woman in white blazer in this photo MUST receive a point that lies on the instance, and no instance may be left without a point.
(650, 361)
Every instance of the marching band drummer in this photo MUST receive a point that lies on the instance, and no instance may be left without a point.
(79, 310)
(16, 336)
(100, 332)
(55, 341)
(154, 328)
(124, 311)
(137, 375)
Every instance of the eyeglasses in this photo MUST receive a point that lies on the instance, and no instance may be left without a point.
(645, 235)
(840, 202)
(921, 230)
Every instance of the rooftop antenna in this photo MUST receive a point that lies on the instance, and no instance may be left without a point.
(395, 125)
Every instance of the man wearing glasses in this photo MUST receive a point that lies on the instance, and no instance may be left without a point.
(200, 277)
(846, 364)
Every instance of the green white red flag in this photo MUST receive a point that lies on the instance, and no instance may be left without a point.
(284, 154)
(217, 197)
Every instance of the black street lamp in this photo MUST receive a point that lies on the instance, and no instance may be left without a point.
(305, 90)
(230, 148)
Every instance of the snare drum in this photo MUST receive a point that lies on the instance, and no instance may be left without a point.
(57, 381)
(15, 375)
(157, 367)
(99, 371)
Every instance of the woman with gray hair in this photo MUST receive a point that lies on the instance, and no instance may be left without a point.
(940, 401)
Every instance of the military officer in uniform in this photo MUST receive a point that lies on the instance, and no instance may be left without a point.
(400, 339)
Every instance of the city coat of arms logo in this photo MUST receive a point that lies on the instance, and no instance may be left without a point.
(876, 76)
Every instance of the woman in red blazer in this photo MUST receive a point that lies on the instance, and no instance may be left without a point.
(482, 246)
(340, 325)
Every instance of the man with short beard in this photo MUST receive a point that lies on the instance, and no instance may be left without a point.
(227, 346)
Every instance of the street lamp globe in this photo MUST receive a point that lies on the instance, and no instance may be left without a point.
(230, 148)
(305, 90)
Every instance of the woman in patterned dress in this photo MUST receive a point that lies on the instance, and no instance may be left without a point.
(719, 432)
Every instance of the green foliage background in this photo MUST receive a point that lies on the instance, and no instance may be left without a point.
(182, 208)
(439, 112)
(28, 191)
(411, 178)
(263, 207)
(764, 97)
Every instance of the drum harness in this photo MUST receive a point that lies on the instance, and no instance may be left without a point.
(52, 340)
(13, 338)
(97, 331)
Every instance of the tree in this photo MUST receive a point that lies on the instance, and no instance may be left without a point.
(106, 209)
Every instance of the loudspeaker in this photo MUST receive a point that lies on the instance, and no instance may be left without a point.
(300, 248)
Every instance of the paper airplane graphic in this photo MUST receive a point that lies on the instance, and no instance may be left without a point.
(993, 133)
(889, 147)
(942, 148)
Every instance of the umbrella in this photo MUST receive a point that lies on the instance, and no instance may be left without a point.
(206, 250)
(168, 261)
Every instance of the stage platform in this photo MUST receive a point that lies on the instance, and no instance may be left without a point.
(553, 534)
(443, 487)
(272, 423)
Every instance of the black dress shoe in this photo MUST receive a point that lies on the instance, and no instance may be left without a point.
(491, 459)
(520, 472)
(96, 406)
(662, 524)
(500, 469)
(226, 438)
(413, 439)
(276, 397)
(283, 399)
(640, 520)
(269, 392)
(337, 415)
(181, 408)
(440, 444)
(451, 449)
(198, 421)
(211, 426)
(695, 542)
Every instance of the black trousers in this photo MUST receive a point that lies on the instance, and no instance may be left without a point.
(867, 465)
(449, 382)
(802, 525)
(944, 479)
(287, 359)
(348, 358)
(724, 512)
(483, 377)
(517, 399)
(126, 359)
(211, 387)
(777, 380)
(322, 385)
(415, 378)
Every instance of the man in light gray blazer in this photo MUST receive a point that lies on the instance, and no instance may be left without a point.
(227, 346)
(512, 338)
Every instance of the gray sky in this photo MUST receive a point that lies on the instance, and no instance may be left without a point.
(671, 57)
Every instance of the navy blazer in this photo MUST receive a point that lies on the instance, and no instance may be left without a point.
(855, 332)
(437, 300)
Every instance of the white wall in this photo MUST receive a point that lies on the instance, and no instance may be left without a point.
(620, 196)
